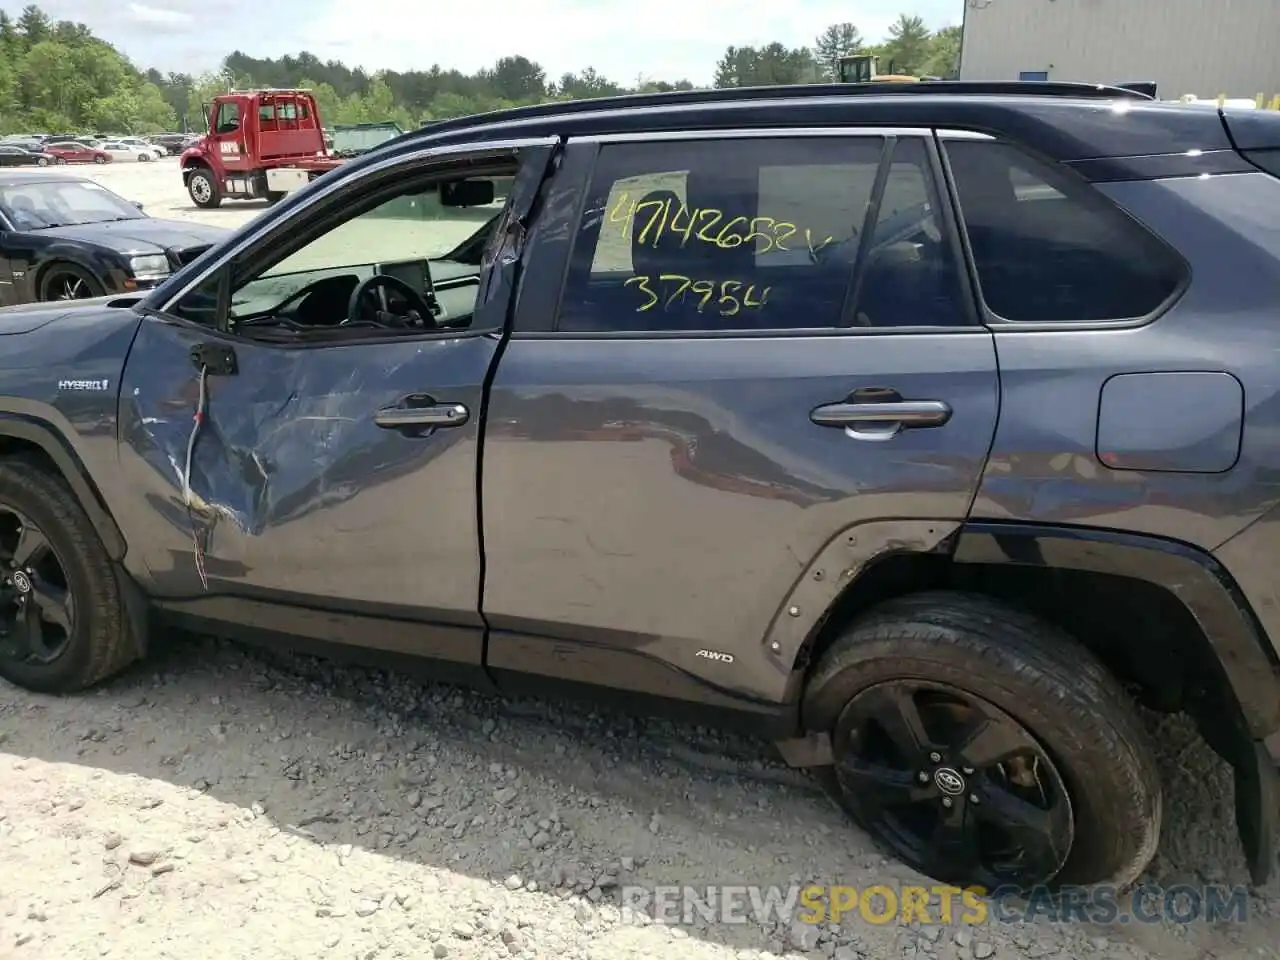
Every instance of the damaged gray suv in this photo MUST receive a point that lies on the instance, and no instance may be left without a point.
(925, 431)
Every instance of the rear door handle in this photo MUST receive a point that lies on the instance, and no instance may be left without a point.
(432, 415)
(881, 421)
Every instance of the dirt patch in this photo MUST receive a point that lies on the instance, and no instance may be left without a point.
(221, 803)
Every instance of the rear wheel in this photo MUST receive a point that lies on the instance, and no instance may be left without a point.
(982, 745)
(62, 622)
(99, 159)
(65, 281)
(203, 188)
(42, 162)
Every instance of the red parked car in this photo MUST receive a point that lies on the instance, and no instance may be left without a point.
(71, 152)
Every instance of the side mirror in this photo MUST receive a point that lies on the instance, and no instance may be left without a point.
(466, 193)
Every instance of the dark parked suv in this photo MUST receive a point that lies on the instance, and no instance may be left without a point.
(923, 430)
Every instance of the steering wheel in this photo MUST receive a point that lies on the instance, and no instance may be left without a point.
(417, 303)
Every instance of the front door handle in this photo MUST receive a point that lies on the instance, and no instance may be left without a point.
(431, 415)
(881, 421)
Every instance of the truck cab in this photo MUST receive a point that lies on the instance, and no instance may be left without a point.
(261, 144)
(863, 68)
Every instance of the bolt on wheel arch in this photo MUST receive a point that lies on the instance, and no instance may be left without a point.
(982, 745)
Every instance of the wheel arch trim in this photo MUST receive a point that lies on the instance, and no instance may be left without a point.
(816, 592)
(1197, 580)
(43, 435)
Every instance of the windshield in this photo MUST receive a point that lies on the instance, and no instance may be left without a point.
(38, 204)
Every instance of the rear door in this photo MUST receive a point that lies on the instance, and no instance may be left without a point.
(764, 371)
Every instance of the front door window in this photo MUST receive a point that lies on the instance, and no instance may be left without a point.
(228, 117)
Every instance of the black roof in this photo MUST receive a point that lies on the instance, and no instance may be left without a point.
(1067, 122)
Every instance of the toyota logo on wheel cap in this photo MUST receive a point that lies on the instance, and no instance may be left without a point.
(21, 581)
(948, 781)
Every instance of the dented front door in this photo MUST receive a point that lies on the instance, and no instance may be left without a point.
(312, 479)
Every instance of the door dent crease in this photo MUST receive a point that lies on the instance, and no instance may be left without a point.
(268, 460)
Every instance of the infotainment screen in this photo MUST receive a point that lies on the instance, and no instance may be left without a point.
(412, 272)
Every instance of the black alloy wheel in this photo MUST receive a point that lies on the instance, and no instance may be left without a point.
(951, 782)
(983, 745)
(37, 613)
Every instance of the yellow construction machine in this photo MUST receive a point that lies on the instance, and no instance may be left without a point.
(861, 68)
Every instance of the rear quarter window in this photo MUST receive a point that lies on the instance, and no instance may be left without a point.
(1048, 248)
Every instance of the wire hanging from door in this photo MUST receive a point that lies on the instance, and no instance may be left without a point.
(202, 399)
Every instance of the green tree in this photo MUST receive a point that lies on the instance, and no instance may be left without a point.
(585, 85)
(33, 25)
(518, 78)
(59, 75)
(909, 45)
(944, 57)
(838, 40)
(766, 66)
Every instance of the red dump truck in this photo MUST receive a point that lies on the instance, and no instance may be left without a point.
(261, 145)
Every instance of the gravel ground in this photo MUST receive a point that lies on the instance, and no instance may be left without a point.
(225, 803)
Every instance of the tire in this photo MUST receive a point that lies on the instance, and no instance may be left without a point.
(42, 162)
(56, 277)
(99, 159)
(1009, 664)
(203, 189)
(144, 157)
(61, 161)
(275, 196)
(98, 644)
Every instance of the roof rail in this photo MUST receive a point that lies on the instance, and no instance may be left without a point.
(273, 90)
(880, 88)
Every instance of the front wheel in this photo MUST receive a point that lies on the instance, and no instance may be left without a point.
(203, 188)
(99, 159)
(62, 622)
(42, 162)
(983, 746)
(65, 281)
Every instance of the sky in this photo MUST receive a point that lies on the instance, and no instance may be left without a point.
(623, 39)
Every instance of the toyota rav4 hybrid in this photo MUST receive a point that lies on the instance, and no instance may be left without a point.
(926, 431)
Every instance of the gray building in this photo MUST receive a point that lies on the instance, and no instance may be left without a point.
(1202, 47)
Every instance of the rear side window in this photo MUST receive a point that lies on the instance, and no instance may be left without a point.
(1048, 248)
(760, 234)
